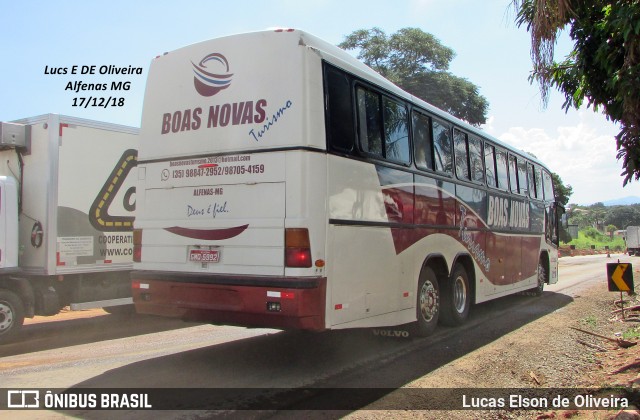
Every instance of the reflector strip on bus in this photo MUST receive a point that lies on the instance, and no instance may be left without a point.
(283, 295)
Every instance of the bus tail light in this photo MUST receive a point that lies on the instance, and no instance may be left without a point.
(297, 248)
(137, 245)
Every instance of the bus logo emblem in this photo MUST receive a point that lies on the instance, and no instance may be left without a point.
(208, 83)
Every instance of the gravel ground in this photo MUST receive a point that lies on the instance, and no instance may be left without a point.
(546, 353)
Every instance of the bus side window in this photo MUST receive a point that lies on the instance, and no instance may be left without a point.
(538, 179)
(396, 131)
(513, 174)
(340, 124)
(460, 148)
(423, 148)
(370, 122)
(476, 168)
(522, 177)
(548, 186)
(490, 165)
(501, 167)
(532, 183)
(442, 147)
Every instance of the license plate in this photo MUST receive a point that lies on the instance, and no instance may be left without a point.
(204, 255)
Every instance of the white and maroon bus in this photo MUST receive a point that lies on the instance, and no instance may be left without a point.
(283, 183)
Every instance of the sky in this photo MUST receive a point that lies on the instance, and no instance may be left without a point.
(39, 36)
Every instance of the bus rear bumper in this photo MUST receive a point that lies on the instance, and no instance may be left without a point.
(251, 301)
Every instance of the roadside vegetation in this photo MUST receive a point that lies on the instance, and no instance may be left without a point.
(591, 238)
(599, 226)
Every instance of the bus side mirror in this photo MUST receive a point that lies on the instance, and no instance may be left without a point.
(564, 219)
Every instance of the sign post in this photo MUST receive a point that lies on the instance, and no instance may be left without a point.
(620, 279)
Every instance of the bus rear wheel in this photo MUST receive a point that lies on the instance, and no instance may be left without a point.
(456, 297)
(427, 305)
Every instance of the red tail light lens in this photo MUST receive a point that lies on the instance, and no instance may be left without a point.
(295, 257)
(297, 252)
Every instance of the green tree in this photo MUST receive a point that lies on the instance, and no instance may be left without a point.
(602, 70)
(623, 216)
(580, 217)
(418, 63)
(597, 213)
(562, 192)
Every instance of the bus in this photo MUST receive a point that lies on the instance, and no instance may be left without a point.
(285, 184)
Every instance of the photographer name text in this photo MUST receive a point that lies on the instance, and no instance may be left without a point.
(102, 94)
(516, 401)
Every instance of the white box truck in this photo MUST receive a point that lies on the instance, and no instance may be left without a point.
(632, 238)
(67, 197)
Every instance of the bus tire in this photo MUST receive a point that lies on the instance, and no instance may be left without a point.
(542, 279)
(427, 304)
(11, 314)
(456, 298)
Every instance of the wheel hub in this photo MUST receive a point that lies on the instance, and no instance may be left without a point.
(6, 316)
(428, 301)
(459, 295)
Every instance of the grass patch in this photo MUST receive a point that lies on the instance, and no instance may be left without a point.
(591, 237)
(591, 320)
(632, 333)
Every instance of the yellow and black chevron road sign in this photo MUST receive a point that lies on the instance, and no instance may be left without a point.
(620, 277)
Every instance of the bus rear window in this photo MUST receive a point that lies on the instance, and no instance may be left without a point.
(340, 126)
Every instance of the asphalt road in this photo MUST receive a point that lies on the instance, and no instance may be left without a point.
(261, 369)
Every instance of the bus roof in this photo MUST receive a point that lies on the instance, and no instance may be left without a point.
(342, 59)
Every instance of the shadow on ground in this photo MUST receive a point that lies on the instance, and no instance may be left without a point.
(279, 374)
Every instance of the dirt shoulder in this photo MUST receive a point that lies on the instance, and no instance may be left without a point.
(546, 353)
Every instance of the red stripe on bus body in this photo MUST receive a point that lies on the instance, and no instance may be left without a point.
(511, 256)
(208, 234)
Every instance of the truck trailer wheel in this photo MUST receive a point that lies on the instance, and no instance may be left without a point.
(11, 314)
